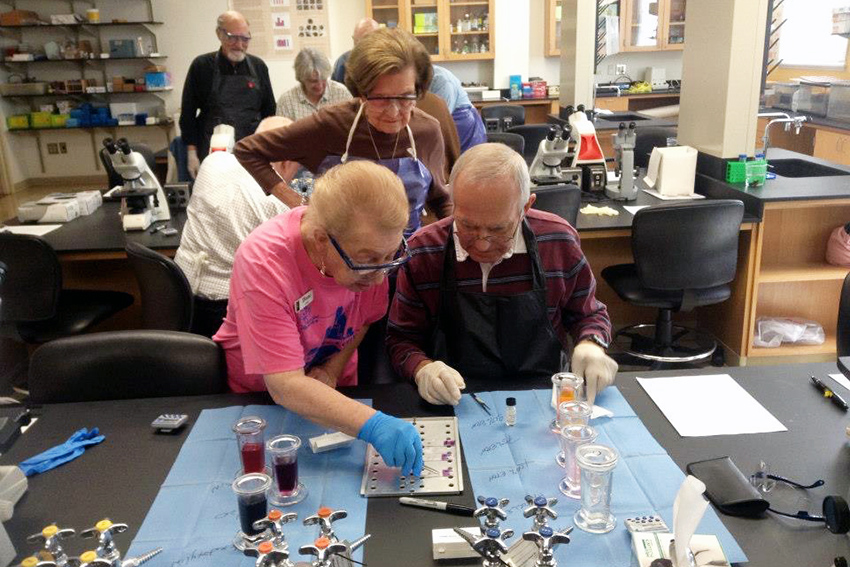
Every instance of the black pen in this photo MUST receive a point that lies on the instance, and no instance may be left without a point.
(455, 509)
(829, 394)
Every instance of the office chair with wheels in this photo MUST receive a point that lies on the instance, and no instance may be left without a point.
(563, 200)
(533, 134)
(501, 111)
(648, 138)
(513, 141)
(167, 301)
(122, 365)
(33, 306)
(686, 254)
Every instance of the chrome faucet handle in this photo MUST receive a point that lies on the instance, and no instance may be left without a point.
(105, 532)
(546, 540)
(324, 550)
(490, 545)
(51, 539)
(274, 522)
(493, 511)
(269, 555)
(325, 517)
(541, 509)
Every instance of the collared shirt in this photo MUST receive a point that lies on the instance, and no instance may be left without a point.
(226, 205)
(295, 105)
(517, 247)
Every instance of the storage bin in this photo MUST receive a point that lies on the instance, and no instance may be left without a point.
(786, 95)
(58, 120)
(17, 89)
(839, 101)
(18, 122)
(40, 119)
(813, 98)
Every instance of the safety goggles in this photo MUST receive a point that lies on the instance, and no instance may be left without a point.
(233, 38)
(401, 257)
(404, 102)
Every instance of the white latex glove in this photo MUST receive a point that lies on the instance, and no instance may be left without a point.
(439, 383)
(597, 368)
(193, 164)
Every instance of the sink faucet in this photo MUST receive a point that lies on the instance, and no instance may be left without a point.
(797, 121)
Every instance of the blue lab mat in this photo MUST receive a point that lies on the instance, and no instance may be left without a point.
(510, 462)
(194, 516)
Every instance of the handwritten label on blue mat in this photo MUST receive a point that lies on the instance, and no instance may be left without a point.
(194, 517)
(510, 462)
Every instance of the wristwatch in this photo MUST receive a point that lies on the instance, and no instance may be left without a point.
(598, 340)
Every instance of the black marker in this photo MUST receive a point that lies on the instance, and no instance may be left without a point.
(829, 394)
(435, 505)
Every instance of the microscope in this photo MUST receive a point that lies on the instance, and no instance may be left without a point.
(546, 168)
(588, 153)
(142, 198)
(624, 145)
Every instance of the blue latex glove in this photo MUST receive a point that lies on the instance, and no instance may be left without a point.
(397, 442)
(61, 454)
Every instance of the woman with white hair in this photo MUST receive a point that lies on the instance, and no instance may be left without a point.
(305, 287)
(315, 88)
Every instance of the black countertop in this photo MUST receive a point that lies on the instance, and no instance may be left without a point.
(102, 231)
(602, 124)
(786, 188)
(121, 477)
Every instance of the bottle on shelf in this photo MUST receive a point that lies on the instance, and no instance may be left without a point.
(465, 49)
(467, 23)
(459, 27)
(474, 48)
(485, 24)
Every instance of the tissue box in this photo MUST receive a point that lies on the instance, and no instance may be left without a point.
(87, 201)
(57, 212)
(672, 171)
(648, 547)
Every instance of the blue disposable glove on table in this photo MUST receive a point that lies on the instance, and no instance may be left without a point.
(396, 440)
(61, 454)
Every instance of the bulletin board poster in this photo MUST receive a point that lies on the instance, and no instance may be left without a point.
(281, 28)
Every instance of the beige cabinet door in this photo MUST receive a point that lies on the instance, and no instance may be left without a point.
(832, 146)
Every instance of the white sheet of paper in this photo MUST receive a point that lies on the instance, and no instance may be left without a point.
(701, 406)
(658, 195)
(32, 229)
(652, 168)
(841, 379)
(634, 208)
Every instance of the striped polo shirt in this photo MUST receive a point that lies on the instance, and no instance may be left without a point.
(572, 306)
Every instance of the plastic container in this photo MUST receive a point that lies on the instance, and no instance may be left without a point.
(40, 120)
(58, 120)
(813, 98)
(736, 171)
(786, 95)
(838, 107)
(516, 87)
(18, 122)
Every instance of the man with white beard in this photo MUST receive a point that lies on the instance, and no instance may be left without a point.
(227, 86)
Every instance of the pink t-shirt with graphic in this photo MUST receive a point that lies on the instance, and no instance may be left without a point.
(283, 314)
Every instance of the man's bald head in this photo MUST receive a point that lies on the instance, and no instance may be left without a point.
(231, 16)
(363, 28)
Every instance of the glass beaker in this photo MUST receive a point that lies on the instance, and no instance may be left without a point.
(572, 413)
(572, 437)
(284, 456)
(596, 463)
(566, 387)
(250, 432)
(250, 490)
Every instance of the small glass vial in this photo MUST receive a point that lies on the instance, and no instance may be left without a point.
(510, 411)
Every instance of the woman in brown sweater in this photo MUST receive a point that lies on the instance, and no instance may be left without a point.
(388, 71)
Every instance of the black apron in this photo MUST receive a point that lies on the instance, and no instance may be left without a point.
(236, 100)
(496, 337)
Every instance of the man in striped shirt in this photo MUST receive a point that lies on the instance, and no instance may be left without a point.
(493, 292)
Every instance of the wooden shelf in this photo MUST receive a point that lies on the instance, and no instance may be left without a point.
(453, 4)
(82, 24)
(60, 95)
(429, 34)
(828, 347)
(84, 59)
(385, 7)
(63, 128)
(486, 32)
(802, 273)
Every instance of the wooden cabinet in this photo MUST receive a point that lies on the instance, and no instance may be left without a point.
(652, 25)
(451, 30)
(552, 47)
(832, 146)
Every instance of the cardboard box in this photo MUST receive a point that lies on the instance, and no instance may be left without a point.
(18, 18)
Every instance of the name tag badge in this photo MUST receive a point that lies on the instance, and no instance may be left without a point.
(304, 301)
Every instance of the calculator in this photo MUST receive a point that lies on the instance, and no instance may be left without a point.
(169, 422)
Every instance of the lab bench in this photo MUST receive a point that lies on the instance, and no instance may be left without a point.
(120, 477)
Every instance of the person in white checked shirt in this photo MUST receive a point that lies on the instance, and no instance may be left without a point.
(315, 88)
(225, 207)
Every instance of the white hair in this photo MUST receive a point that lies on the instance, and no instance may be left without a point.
(310, 60)
(493, 164)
